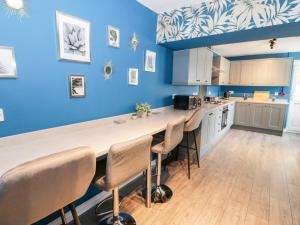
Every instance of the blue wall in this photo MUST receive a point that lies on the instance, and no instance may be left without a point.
(39, 97)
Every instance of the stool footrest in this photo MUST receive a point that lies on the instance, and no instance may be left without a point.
(122, 219)
(161, 194)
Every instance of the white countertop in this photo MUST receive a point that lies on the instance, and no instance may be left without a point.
(98, 134)
(251, 100)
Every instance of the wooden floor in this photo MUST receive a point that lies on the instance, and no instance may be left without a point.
(249, 178)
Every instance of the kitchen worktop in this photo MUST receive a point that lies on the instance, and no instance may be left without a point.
(98, 134)
(252, 100)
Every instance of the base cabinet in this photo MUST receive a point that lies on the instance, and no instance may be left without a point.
(257, 115)
(242, 114)
(211, 131)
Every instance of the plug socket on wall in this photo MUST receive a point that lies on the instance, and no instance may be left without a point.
(1, 115)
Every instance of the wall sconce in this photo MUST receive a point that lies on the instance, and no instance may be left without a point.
(15, 7)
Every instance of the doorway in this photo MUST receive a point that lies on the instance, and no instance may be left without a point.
(293, 124)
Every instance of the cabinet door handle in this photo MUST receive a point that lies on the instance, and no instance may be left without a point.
(210, 114)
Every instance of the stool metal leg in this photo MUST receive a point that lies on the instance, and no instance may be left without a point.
(62, 216)
(74, 214)
(148, 185)
(117, 218)
(161, 193)
(188, 155)
(196, 147)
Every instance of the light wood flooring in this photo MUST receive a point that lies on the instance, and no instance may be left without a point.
(247, 179)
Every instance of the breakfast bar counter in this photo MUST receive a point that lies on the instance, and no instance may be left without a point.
(98, 134)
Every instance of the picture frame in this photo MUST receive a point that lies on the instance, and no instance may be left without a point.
(150, 61)
(133, 76)
(113, 36)
(77, 86)
(8, 67)
(74, 38)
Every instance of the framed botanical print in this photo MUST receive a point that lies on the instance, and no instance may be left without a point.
(77, 86)
(73, 38)
(113, 34)
(133, 76)
(8, 68)
(150, 61)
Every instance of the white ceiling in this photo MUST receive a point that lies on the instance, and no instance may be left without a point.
(159, 6)
(283, 45)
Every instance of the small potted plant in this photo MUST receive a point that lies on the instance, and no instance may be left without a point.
(142, 109)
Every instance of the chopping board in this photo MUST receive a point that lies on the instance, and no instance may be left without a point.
(261, 95)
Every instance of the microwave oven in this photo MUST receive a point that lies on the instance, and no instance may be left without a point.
(186, 102)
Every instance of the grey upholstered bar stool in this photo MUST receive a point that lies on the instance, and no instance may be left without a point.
(173, 136)
(125, 161)
(190, 127)
(38, 188)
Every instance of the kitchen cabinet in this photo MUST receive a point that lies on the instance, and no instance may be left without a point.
(211, 131)
(231, 109)
(242, 114)
(192, 67)
(280, 70)
(260, 115)
(247, 73)
(275, 119)
(221, 70)
(235, 73)
(260, 72)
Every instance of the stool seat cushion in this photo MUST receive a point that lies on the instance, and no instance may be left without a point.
(194, 122)
(125, 161)
(38, 188)
(159, 148)
(101, 183)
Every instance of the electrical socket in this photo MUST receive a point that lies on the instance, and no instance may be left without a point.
(1, 115)
(173, 96)
(276, 93)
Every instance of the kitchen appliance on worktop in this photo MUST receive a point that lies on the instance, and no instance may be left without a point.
(186, 102)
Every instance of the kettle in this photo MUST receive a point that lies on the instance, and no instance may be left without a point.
(226, 94)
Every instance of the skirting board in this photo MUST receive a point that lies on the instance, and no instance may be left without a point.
(84, 207)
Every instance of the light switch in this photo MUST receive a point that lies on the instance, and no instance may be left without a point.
(1, 115)
(276, 93)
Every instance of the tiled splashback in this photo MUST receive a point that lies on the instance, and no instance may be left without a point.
(240, 90)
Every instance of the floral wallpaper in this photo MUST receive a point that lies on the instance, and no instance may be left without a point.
(221, 16)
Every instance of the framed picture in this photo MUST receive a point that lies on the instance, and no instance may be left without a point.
(150, 61)
(133, 76)
(113, 34)
(8, 68)
(77, 86)
(73, 38)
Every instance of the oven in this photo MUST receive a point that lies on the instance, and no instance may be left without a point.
(224, 122)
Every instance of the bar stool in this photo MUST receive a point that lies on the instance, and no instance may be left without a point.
(190, 127)
(38, 188)
(173, 136)
(125, 161)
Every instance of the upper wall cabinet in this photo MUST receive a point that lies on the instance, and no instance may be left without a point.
(261, 72)
(192, 67)
(221, 68)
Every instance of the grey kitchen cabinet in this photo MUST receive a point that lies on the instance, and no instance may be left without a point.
(242, 114)
(208, 128)
(192, 67)
(231, 109)
(261, 72)
(260, 115)
(275, 119)
(235, 72)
